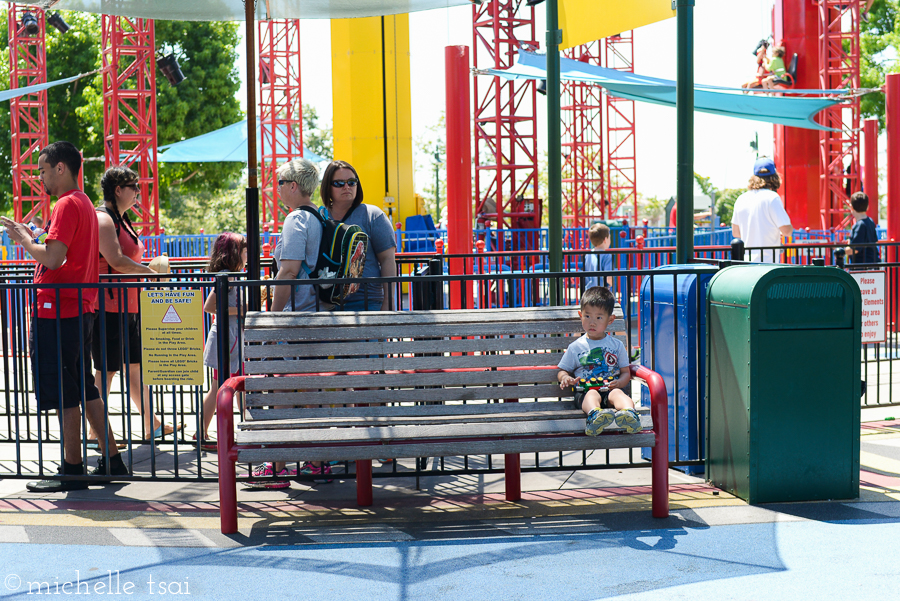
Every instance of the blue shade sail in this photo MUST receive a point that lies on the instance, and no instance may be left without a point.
(730, 102)
(229, 144)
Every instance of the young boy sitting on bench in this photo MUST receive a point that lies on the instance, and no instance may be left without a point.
(596, 364)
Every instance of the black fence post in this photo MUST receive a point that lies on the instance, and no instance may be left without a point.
(737, 249)
(839, 257)
(222, 328)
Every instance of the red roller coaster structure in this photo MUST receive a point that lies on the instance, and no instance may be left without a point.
(598, 184)
(129, 107)
(583, 184)
(28, 114)
(280, 107)
(506, 184)
(839, 149)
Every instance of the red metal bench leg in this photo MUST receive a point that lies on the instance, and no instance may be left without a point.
(225, 437)
(659, 410)
(513, 477)
(364, 483)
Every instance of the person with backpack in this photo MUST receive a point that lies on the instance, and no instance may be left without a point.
(342, 195)
(296, 254)
(121, 251)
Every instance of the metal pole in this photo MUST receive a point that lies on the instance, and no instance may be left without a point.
(892, 121)
(254, 300)
(459, 169)
(870, 168)
(684, 101)
(554, 148)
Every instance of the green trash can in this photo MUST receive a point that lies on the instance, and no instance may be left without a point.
(783, 383)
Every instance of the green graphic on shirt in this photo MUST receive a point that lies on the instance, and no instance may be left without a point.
(599, 362)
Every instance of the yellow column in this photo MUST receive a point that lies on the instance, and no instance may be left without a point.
(371, 91)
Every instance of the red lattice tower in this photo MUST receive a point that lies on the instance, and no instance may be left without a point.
(280, 108)
(28, 114)
(129, 108)
(839, 150)
(581, 109)
(621, 154)
(505, 122)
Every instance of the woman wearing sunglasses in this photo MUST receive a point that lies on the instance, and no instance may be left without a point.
(342, 194)
(121, 251)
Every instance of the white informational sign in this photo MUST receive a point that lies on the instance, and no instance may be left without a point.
(874, 306)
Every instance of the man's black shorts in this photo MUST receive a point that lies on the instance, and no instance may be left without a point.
(116, 340)
(53, 351)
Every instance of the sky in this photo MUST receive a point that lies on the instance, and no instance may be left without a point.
(726, 33)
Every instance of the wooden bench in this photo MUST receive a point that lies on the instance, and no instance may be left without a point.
(415, 384)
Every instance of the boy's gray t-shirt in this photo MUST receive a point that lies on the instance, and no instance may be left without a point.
(586, 358)
(380, 231)
(299, 241)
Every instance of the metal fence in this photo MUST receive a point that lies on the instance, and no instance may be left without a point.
(31, 444)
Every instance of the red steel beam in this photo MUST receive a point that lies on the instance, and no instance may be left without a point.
(621, 151)
(128, 51)
(584, 194)
(839, 150)
(506, 186)
(28, 114)
(280, 108)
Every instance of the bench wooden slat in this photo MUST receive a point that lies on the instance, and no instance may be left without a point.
(366, 319)
(469, 378)
(342, 397)
(450, 448)
(510, 328)
(410, 410)
(407, 420)
(301, 366)
(394, 347)
(551, 425)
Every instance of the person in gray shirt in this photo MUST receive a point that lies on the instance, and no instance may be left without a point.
(342, 195)
(301, 235)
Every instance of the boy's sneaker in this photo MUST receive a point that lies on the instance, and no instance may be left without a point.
(319, 472)
(268, 479)
(598, 419)
(629, 420)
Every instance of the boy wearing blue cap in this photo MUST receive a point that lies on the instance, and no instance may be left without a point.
(759, 218)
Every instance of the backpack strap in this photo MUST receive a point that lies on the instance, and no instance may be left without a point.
(322, 219)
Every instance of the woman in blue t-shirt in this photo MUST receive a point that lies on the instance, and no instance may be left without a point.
(342, 194)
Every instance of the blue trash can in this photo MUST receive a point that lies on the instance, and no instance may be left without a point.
(675, 309)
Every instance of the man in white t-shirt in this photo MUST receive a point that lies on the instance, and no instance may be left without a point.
(759, 217)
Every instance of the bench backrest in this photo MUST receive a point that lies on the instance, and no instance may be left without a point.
(422, 356)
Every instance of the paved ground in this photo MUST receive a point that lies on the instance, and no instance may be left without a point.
(574, 536)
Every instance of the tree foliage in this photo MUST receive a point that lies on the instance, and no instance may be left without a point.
(205, 101)
(879, 47)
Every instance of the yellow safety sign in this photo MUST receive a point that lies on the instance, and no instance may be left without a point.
(172, 335)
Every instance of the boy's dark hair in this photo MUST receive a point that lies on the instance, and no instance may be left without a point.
(65, 152)
(598, 233)
(599, 297)
(860, 202)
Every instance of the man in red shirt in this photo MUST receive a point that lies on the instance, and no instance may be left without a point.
(67, 256)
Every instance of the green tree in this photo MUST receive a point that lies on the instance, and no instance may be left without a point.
(879, 45)
(433, 141)
(203, 102)
(316, 137)
(724, 197)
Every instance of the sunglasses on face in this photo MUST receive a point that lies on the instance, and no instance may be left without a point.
(339, 183)
(282, 182)
(135, 187)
